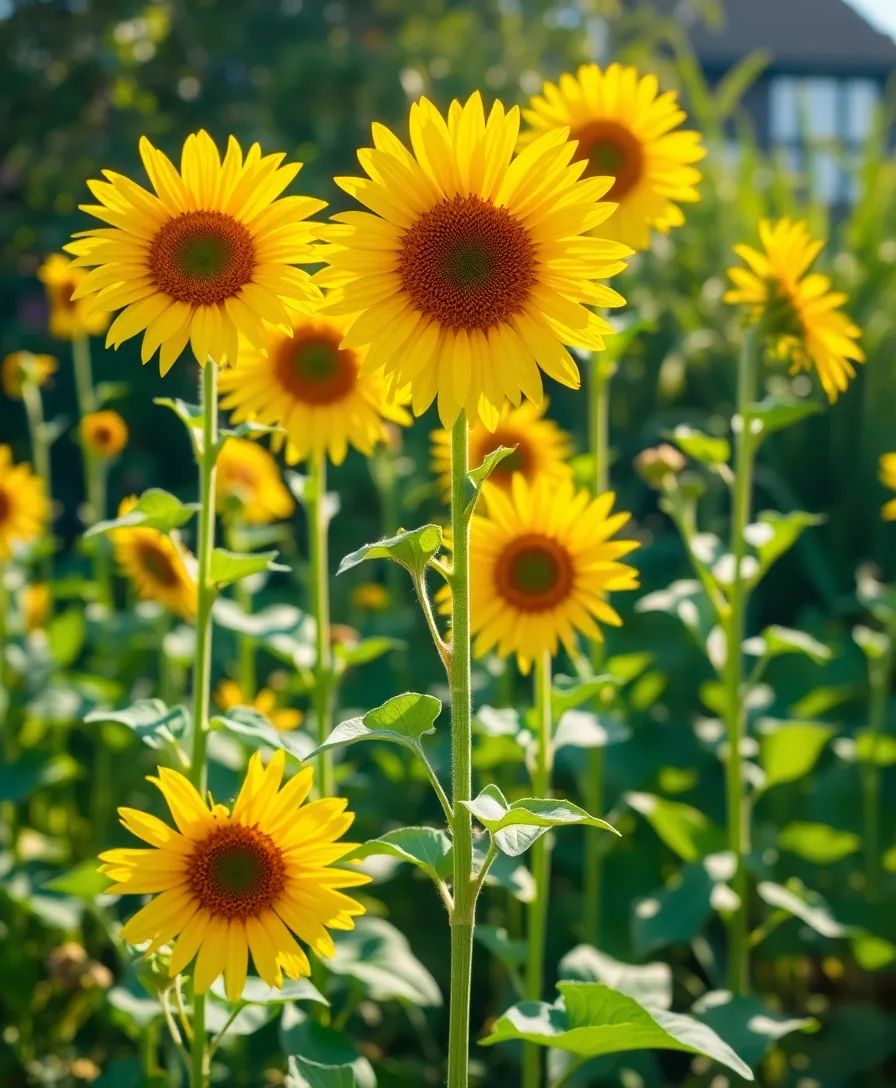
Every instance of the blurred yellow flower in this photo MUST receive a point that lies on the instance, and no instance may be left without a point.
(317, 391)
(35, 605)
(202, 260)
(69, 317)
(227, 882)
(798, 309)
(154, 565)
(24, 507)
(541, 447)
(624, 128)
(371, 596)
(473, 271)
(229, 694)
(888, 479)
(248, 483)
(22, 366)
(104, 433)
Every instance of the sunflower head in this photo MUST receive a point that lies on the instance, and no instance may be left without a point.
(22, 366)
(248, 484)
(371, 597)
(104, 433)
(229, 694)
(229, 881)
(204, 259)
(888, 479)
(24, 507)
(155, 565)
(70, 318)
(796, 309)
(625, 129)
(35, 605)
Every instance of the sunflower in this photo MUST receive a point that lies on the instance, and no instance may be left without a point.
(35, 602)
(371, 597)
(625, 128)
(314, 389)
(229, 694)
(69, 318)
(154, 565)
(541, 447)
(22, 366)
(249, 485)
(797, 309)
(203, 259)
(230, 882)
(542, 564)
(104, 433)
(472, 271)
(888, 479)
(24, 507)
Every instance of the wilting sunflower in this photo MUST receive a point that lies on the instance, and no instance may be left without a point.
(541, 447)
(202, 260)
(154, 565)
(104, 433)
(542, 564)
(249, 484)
(317, 391)
(69, 317)
(799, 311)
(624, 128)
(230, 882)
(472, 271)
(229, 694)
(888, 479)
(22, 366)
(24, 508)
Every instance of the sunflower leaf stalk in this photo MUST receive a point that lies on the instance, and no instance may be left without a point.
(318, 524)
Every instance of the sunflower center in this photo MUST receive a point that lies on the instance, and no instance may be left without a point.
(5, 506)
(237, 871)
(518, 461)
(468, 264)
(102, 436)
(158, 565)
(611, 149)
(314, 369)
(202, 258)
(534, 573)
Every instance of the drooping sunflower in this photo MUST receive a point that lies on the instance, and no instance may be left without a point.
(154, 565)
(797, 308)
(541, 447)
(888, 479)
(230, 882)
(104, 433)
(624, 127)
(23, 366)
(472, 270)
(229, 694)
(24, 507)
(248, 483)
(315, 389)
(205, 258)
(69, 317)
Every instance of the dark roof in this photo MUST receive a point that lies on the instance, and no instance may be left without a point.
(826, 35)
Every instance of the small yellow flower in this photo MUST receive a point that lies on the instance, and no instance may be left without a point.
(24, 507)
(798, 309)
(227, 882)
(35, 605)
(69, 317)
(371, 596)
(154, 565)
(249, 485)
(104, 433)
(229, 694)
(23, 366)
(888, 479)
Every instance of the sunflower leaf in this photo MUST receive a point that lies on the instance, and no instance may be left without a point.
(155, 509)
(479, 475)
(774, 534)
(254, 730)
(304, 1073)
(746, 1024)
(403, 719)
(154, 723)
(229, 567)
(704, 448)
(412, 549)
(426, 847)
(776, 413)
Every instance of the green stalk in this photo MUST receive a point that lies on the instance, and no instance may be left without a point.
(40, 451)
(83, 376)
(464, 913)
(320, 589)
(879, 674)
(541, 866)
(248, 679)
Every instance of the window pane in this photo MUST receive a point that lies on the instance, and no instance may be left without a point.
(818, 104)
(783, 118)
(861, 101)
(827, 178)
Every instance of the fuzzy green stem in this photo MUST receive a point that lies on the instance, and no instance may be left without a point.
(83, 376)
(318, 523)
(879, 673)
(463, 915)
(40, 452)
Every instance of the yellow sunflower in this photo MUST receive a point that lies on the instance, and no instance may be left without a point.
(230, 882)
(472, 271)
(541, 447)
(249, 484)
(317, 391)
(371, 597)
(229, 694)
(154, 565)
(202, 260)
(35, 603)
(22, 366)
(24, 508)
(798, 309)
(888, 479)
(625, 128)
(69, 317)
(104, 433)
(542, 564)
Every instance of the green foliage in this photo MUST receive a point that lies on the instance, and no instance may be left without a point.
(155, 509)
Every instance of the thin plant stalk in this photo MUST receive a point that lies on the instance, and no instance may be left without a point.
(879, 673)
(248, 679)
(464, 909)
(318, 524)
(541, 866)
(40, 451)
(84, 390)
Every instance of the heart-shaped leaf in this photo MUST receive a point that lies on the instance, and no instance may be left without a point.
(426, 847)
(229, 567)
(403, 719)
(155, 509)
(789, 750)
(254, 730)
(154, 723)
(649, 984)
(412, 549)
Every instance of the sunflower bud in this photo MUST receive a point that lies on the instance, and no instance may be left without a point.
(660, 466)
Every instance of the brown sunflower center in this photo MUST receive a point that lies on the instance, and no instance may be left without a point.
(468, 264)
(102, 436)
(611, 150)
(202, 257)
(237, 871)
(158, 565)
(534, 573)
(314, 369)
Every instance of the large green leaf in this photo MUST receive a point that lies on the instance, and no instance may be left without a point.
(254, 730)
(682, 828)
(746, 1024)
(378, 956)
(155, 509)
(257, 992)
(304, 1073)
(818, 843)
(648, 983)
(789, 750)
(413, 550)
(426, 847)
(403, 719)
(150, 719)
(678, 911)
(301, 1035)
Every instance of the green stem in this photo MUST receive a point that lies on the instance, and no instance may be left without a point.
(40, 451)
(541, 866)
(320, 588)
(464, 913)
(879, 674)
(83, 376)
(248, 679)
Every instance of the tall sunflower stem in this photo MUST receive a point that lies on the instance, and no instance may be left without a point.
(318, 525)
(40, 451)
(879, 675)
(83, 376)
(463, 915)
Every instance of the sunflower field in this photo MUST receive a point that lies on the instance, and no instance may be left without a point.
(463, 651)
